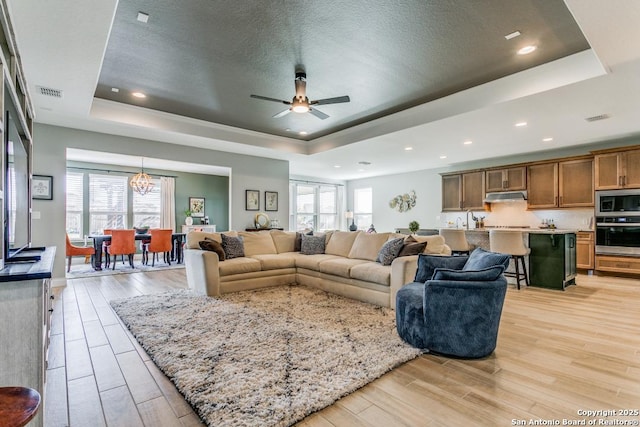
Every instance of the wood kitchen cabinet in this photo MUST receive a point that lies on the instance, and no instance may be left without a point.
(585, 250)
(542, 186)
(618, 264)
(566, 184)
(463, 191)
(617, 170)
(510, 179)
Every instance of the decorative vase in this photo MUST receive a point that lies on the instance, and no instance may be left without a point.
(188, 220)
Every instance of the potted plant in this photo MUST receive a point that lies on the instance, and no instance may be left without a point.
(188, 220)
(414, 226)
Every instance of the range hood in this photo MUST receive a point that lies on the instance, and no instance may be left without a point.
(506, 196)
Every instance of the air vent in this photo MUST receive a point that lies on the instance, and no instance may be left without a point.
(598, 117)
(47, 91)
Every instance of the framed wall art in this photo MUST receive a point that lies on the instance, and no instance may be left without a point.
(270, 200)
(42, 187)
(252, 200)
(196, 206)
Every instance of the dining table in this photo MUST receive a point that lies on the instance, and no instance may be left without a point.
(177, 240)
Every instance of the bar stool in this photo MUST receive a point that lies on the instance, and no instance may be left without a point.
(18, 405)
(456, 240)
(511, 243)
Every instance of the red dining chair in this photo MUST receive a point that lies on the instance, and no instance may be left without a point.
(73, 250)
(160, 243)
(123, 242)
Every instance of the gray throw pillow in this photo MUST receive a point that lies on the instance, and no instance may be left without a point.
(480, 259)
(233, 246)
(312, 245)
(389, 251)
(428, 263)
(211, 245)
(484, 275)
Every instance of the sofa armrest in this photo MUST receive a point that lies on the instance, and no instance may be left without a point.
(403, 271)
(203, 276)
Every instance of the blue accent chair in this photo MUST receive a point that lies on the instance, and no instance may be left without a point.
(455, 313)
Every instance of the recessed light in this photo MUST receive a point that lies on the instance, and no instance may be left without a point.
(443, 157)
(143, 17)
(468, 142)
(360, 170)
(408, 148)
(526, 50)
(337, 166)
(512, 35)
(520, 124)
(139, 94)
(304, 133)
(115, 89)
(547, 139)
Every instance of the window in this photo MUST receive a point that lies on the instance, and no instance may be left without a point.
(363, 207)
(107, 202)
(146, 209)
(75, 205)
(316, 206)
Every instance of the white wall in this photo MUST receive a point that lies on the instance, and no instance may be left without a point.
(51, 142)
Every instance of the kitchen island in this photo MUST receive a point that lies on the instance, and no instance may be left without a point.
(552, 261)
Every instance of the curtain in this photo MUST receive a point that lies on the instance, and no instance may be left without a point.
(168, 203)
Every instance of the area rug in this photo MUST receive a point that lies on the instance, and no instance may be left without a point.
(268, 357)
(86, 270)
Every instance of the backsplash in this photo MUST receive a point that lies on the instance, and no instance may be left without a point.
(516, 214)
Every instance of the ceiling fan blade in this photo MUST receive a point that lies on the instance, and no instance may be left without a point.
(336, 100)
(319, 114)
(282, 113)
(266, 98)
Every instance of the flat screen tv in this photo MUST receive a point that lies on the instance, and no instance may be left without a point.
(17, 192)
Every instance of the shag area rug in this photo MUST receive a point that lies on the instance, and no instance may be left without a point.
(268, 357)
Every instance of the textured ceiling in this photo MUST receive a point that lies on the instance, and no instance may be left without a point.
(204, 58)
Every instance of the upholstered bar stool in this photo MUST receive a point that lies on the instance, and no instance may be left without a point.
(511, 243)
(456, 240)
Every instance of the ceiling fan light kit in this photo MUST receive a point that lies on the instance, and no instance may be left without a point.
(300, 103)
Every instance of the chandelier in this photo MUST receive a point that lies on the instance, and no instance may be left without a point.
(141, 182)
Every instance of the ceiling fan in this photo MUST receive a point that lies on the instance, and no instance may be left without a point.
(300, 103)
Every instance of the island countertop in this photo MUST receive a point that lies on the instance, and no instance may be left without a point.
(530, 230)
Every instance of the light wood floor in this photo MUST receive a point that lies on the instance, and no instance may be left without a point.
(558, 352)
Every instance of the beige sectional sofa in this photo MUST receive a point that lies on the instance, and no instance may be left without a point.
(346, 268)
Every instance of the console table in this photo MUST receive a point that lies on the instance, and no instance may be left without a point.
(25, 309)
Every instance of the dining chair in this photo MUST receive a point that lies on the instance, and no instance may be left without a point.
(73, 250)
(122, 243)
(160, 243)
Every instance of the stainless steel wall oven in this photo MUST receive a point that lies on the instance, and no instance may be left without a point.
(618, 222)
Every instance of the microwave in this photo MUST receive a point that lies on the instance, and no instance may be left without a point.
(618, 202)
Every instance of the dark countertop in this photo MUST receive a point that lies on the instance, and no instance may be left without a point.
(29, 270)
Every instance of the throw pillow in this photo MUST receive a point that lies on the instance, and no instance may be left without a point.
(412, 248)
(389, 251)
(312, 245)
(233, 247)
(410, 239)
(211, 245)
(428, 263)
(484, 275)
(480, 259)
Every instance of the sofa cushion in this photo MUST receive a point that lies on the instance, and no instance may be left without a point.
(275, 261)
(340, 266)
(372, 272)
(389, 251)
(483, 275)
(428, 263)
(367, 245)
(340, 243)
(257, 243)
(285, 241)
(435, 244)
(480, 259)
(195, 237)
(239, 266)
(233, 247)
(211, 245)
(312, 262)
(312, 245)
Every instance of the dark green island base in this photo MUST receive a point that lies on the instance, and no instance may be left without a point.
(552, 262)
